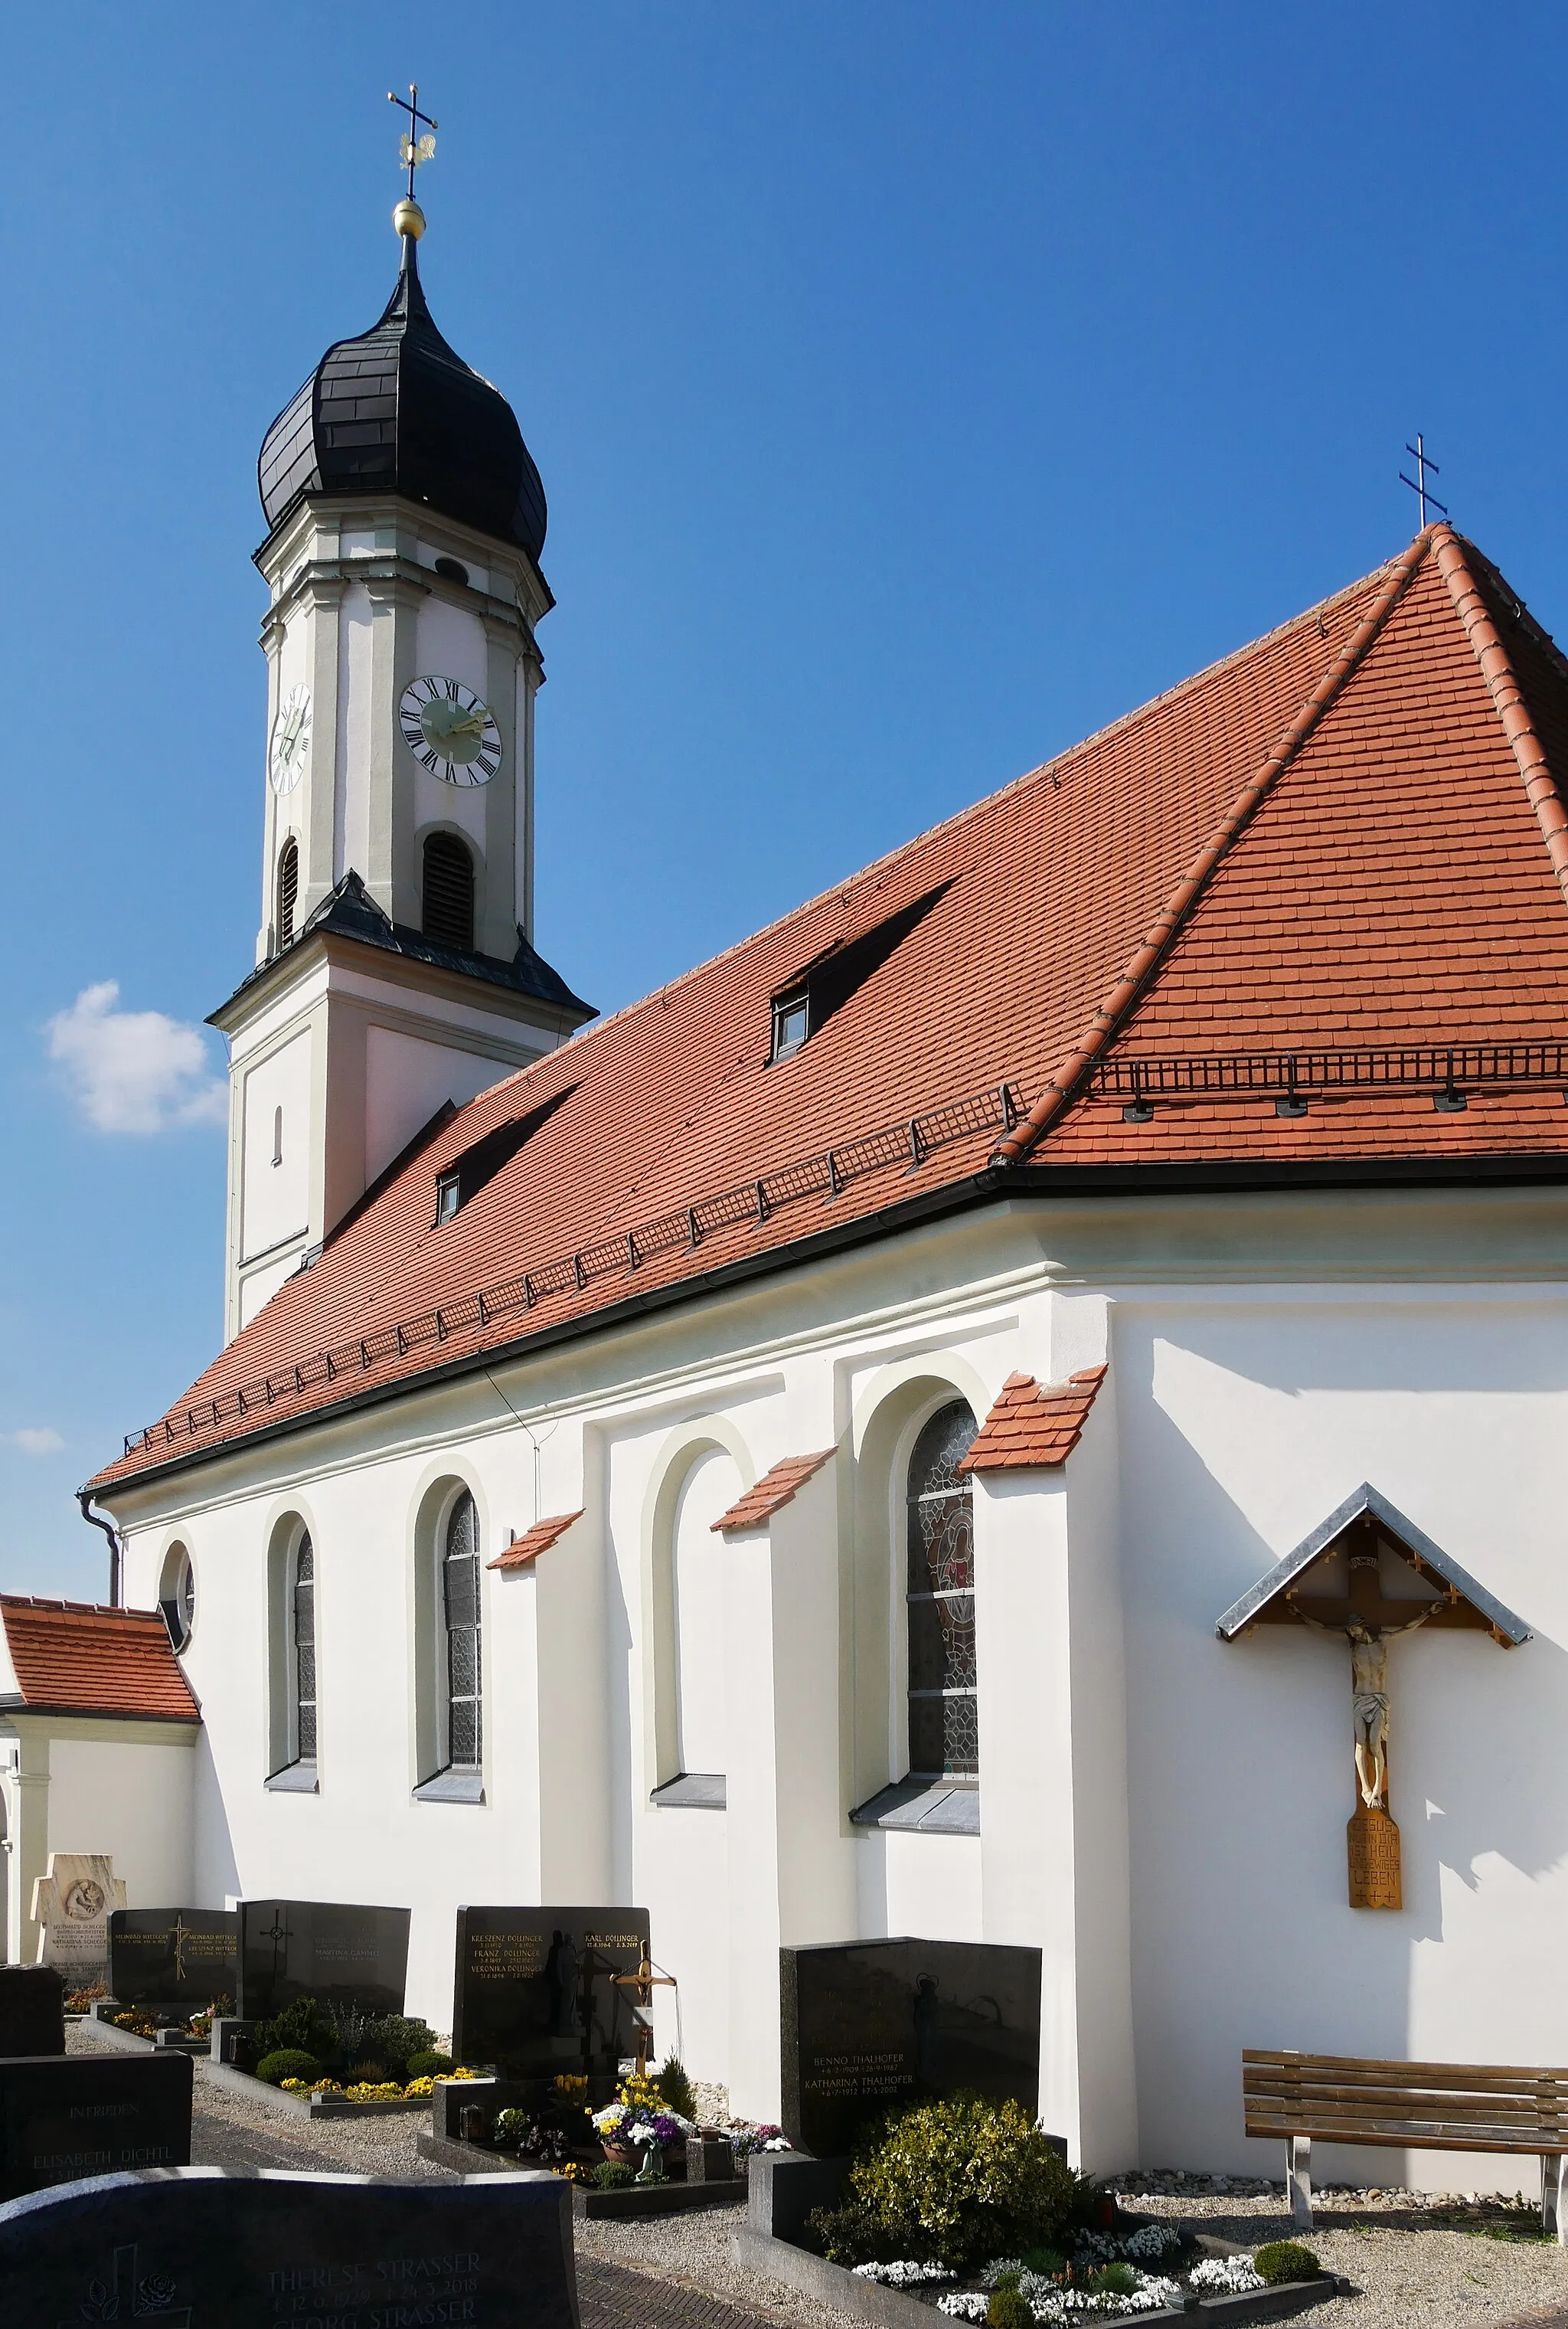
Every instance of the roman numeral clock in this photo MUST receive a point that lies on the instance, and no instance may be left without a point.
(450, 730)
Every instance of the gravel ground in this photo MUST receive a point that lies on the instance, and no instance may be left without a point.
(1406, 2269)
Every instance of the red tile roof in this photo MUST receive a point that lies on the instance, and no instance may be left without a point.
(1350, 834)
(526, 1548)
(1032, 1425)
(73, 1657)
(771, 1493)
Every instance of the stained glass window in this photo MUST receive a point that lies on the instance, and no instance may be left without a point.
(303, 1625)
(943, 1716)
(460, 1592)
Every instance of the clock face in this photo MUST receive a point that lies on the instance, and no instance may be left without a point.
(451, 731)
(290, 739)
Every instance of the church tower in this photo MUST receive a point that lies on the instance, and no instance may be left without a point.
(395, 969)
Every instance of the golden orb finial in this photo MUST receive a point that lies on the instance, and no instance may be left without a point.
(408, 219)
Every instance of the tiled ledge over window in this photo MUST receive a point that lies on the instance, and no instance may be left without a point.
(693, 1791)
(936, 1806)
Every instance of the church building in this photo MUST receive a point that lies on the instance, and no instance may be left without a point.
(1024, 1402)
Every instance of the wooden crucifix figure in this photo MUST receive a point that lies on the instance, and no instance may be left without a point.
(1347, 1560)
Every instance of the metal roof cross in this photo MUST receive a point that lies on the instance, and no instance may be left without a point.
(413, 148)
(1417, 451)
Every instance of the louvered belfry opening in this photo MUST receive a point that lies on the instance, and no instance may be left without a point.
(287, 890)
(448, 893)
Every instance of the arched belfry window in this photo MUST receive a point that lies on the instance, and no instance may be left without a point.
(302, 1651)
(287, 890)
(448, 893)
(943, 1714)
(460, 1615)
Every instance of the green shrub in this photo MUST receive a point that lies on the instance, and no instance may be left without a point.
(1113, 2280)
(853, 2234)
(957, 2180)
(1279, 2261)
(1049, 2263)
(676, 2087)
(430, 2064)
(613, 2175)
(1008, 2310)
(510, 2128)
(395, 2040)
(287, 2062)
(301, 2024)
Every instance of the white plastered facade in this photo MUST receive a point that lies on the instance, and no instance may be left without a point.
(1161, 1814)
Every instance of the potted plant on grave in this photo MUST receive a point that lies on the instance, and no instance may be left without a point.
(635, 2128)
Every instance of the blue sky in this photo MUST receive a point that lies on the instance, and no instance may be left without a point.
(916, 387)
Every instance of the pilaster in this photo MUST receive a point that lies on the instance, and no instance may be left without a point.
(392, 875)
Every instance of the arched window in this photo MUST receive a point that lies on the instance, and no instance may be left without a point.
(287, 890)
(460, 1617)
(177, 1596)
(301, 1652)
(943, 1716)
(448, 893)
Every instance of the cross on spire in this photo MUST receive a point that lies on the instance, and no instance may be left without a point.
(413, 148)
(1417, 452)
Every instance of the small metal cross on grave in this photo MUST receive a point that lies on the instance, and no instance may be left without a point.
(413, 148)
(644, 1981)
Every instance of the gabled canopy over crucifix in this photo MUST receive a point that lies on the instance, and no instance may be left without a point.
(1369, 1574)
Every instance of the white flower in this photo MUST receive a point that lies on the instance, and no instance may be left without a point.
(905, 2274)
(610, 2117)
(998, 2266)
(1232, 2274)
(972, 2305)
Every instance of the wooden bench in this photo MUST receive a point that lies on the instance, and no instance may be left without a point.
(1408, 2106)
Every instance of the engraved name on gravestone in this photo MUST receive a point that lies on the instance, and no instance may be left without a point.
(332, 1950)
(64, 2118)
(874, 2023)
(32, 2010)
(203, 2249)
(535, 1990)
(70, 1908)
(173, 1957)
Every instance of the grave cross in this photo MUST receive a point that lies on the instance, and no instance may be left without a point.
(644, 1981)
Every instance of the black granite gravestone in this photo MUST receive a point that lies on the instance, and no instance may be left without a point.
(32, 2010)
(173, 1957)
(535, 1992)
(90, 2114)
(206, 2248)
(874, 2023)
(333, 1951)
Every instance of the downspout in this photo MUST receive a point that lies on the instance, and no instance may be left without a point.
(116, 1549)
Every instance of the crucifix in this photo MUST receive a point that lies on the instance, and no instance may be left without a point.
(1368, 1575)
(644, 1981)
(412, 149)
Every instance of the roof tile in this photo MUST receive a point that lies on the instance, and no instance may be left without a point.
(1033, 1425)
(771, 1493)
(74, 1657)
(524, 1549)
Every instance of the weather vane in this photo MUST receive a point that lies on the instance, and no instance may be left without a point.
(412, 149)
(1417, 484)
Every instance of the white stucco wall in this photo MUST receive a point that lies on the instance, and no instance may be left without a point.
(1162, 1816)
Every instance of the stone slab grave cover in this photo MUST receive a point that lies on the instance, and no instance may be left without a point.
(185, 1957)
(335, 1951)
(207, 2249)
(65, 2118)
(32, 2010)
(535, 1991)
(874, 2023)
(72, 1907)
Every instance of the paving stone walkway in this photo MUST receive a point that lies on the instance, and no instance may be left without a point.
(614, 2298)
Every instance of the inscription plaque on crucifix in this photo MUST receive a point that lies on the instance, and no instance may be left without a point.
(1366, 1576)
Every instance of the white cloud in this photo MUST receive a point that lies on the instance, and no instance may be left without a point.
(38, 1440)
(134, 1071)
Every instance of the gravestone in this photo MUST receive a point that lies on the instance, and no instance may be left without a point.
(32, 2010)
(874, 2024)
(63, 2118)
(535, 1991)
(332, 1950)
(71, 1906)
(184, 1957)
(205, 2248)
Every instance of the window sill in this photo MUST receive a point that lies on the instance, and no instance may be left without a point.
(931, 1807)
(693, 1791)
(451, 1788)
(294, 1779)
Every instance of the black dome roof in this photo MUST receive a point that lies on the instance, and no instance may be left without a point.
(398, 411)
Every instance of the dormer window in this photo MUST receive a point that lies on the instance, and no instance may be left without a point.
(448, 1196)
(792, 1023)
(477, 1166)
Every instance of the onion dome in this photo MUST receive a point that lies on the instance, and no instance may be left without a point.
(398, 411)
